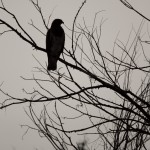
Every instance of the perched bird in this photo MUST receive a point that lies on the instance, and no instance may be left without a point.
(55, 40)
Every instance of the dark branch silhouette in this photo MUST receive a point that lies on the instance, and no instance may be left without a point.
(95, 86)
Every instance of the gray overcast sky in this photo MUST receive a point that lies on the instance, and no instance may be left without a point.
(16, 56)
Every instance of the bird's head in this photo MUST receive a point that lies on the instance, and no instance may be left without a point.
(57, 22)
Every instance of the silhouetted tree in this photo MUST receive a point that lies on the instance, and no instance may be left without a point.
(115, 111)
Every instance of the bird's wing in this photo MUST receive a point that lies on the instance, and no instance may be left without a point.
(49, 41)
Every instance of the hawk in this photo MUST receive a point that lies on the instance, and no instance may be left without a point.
(55, 40)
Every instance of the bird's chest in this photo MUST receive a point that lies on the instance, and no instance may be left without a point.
(57, 44)
(58, 40)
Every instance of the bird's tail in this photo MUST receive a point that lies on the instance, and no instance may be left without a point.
(52, 63)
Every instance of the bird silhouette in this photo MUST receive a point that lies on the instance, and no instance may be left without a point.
(55, 40)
